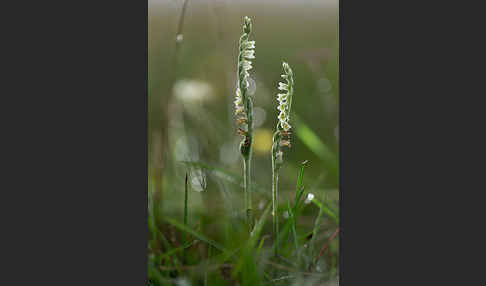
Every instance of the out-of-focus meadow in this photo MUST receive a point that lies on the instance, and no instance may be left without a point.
(192, 130)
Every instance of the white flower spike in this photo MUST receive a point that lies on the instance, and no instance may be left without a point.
(247, 53)
(285, 99)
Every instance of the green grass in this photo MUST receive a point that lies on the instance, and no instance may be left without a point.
(241, 257)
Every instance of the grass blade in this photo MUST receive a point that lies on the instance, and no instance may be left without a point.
(330, 213)
(261, 245)
(200, 236)
(317, 146)
(227, 176)
(175, 250)
(257, 230)
(296, 210)
(254, 236)
(293, 226)
(300, 179)
(317, 226)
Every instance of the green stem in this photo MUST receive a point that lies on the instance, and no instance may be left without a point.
(274, 205)
(246, 181)
(246, 154)
(275, 168)
(184, 239)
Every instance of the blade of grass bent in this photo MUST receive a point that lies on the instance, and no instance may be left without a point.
(227, 176)
(260, 245)
(330, 213)
(200, 236)
(317, 146)
(293, 228)
(180, 248)
(300, 178)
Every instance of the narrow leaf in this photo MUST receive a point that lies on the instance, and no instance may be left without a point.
(200, 236)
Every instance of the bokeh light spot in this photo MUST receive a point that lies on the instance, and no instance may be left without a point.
(263, 141)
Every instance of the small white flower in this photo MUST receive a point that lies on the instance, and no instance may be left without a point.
(249, 45)
(287, 69)
(239, 110)
(309, 198)
(283, 86)
(249, 54)
(282, 107)
(238, 100)
(282, 97)
(246, 66)
(282, 116)
(286, 126)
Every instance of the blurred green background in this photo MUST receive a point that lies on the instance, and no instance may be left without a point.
(191, 111)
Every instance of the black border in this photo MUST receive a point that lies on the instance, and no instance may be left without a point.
(77, 91)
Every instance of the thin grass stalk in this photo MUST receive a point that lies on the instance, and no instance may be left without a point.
(326, 246)
(184, 237)
(292, 219)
